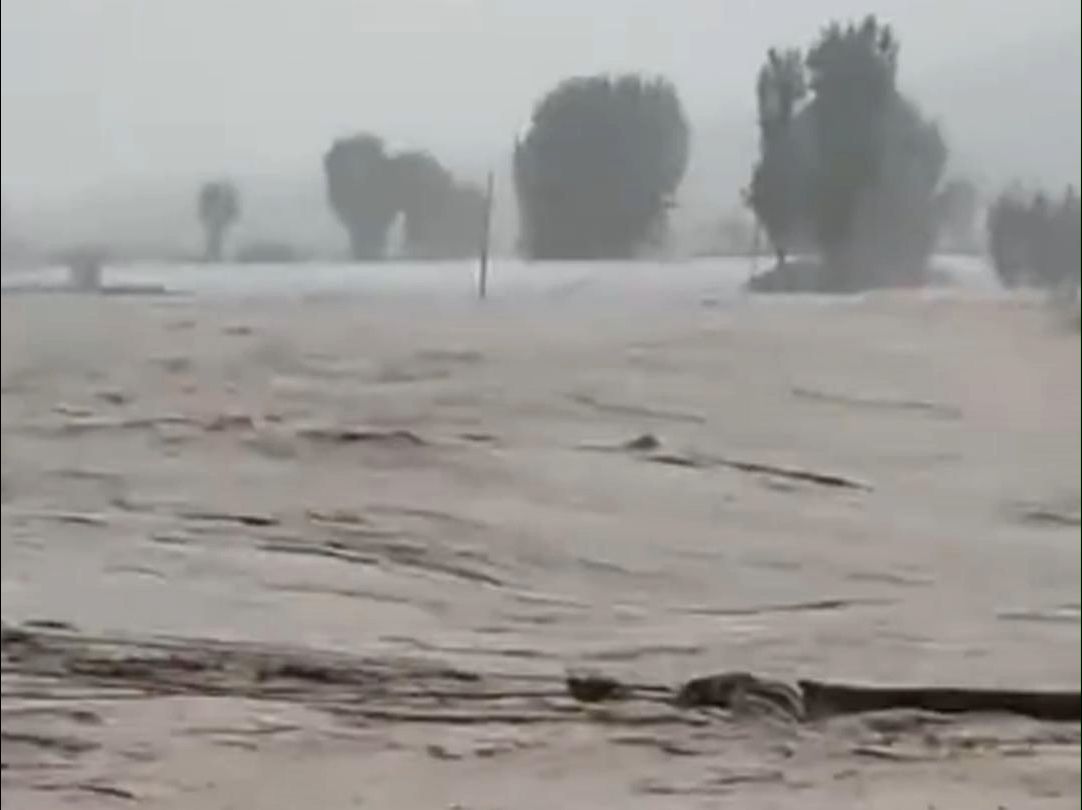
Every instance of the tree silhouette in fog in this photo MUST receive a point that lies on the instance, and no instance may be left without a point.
(596, 172)
(1034, 240)
(360, 191)
(442, 216)
(368, 187)
(218, 207)
(852, 75)
(778, 183)
(896, 221)
(854, 169)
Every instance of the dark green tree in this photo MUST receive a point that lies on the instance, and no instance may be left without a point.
(442, 216)
(1069, 239)
(1008, 230)
(218, 208)
(422, 186)
(779, 182)
(852, 72)
(1056, 256)
(1035, 240)
(854, 169)
(596, 172)
(360, 189)
(896, 223)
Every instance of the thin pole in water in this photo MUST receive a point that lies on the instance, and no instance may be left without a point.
(482, 280)
(754, 266)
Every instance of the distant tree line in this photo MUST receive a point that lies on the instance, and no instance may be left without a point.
(850, 178)
(367, 188)
(1034, 239)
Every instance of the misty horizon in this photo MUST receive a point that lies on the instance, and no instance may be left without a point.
(114, 113)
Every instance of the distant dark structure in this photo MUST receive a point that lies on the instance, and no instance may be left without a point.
(848, 166)
(218, 207)
(367, 187)
(1034, 239)
(596, 172)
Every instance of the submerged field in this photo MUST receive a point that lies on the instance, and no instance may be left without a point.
(445, 501)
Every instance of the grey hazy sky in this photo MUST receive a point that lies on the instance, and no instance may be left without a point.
(99, 92)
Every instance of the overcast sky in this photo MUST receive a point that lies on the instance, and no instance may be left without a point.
(100, 92)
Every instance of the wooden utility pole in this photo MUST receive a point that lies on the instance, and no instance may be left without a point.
(486, 228)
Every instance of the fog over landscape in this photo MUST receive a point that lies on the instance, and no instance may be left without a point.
(114, 111)
(537, 404)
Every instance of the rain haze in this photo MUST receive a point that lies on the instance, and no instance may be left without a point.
(122, 105)
(530, 404)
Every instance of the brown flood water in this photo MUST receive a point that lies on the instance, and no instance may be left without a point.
(334, 554)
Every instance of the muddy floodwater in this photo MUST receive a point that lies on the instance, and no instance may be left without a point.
(286, 551)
